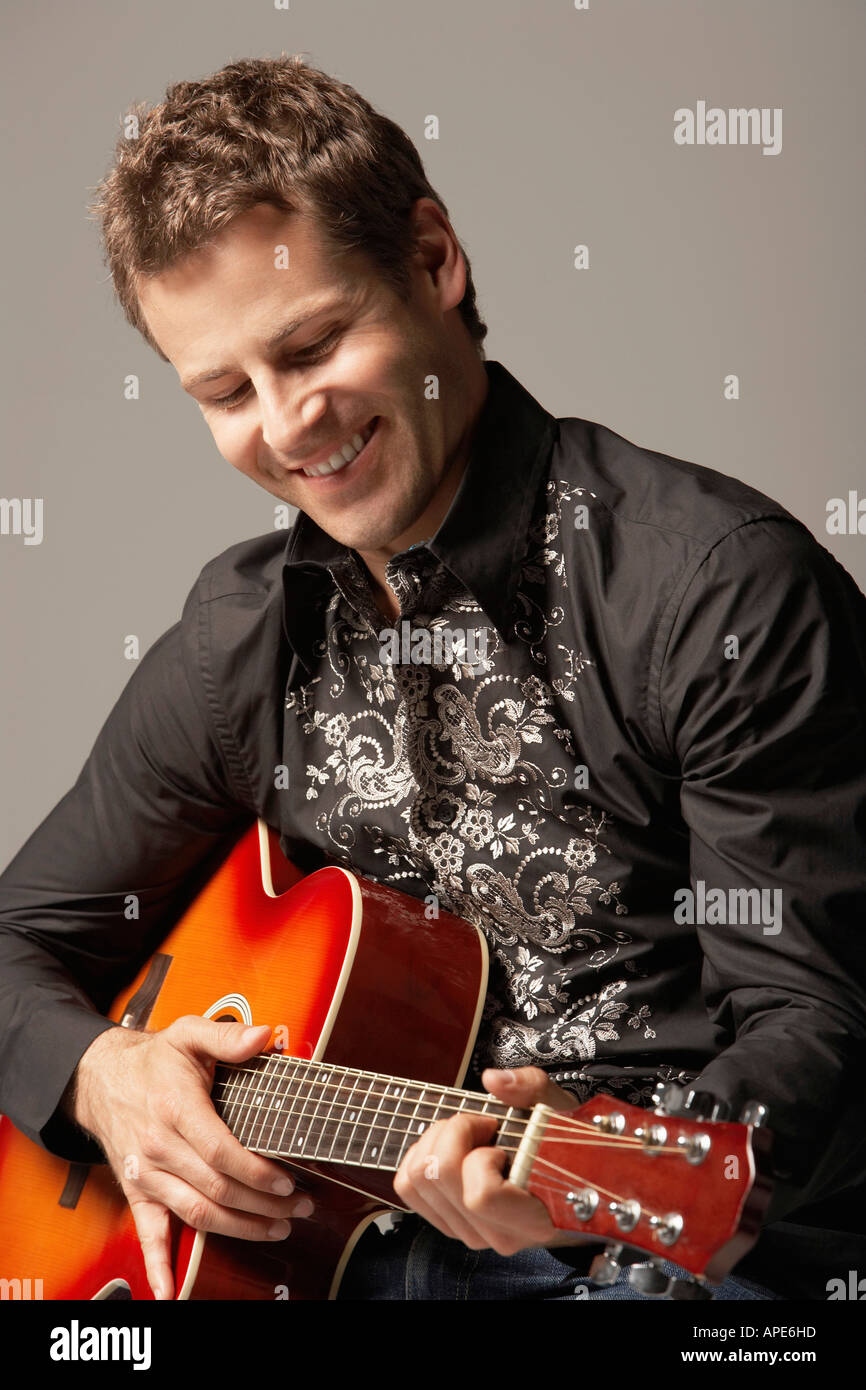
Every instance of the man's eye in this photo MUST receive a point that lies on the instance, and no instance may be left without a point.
(309, 354)
(228, 402)
(320, 349)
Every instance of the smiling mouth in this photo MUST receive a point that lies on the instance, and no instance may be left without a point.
(346, 454)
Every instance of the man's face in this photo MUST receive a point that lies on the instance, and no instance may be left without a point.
(290, 364)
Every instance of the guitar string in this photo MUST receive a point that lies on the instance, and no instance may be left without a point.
(560, 1122)
(350, 1072)
(550, 1184)
(347, 1072)
(558, 1186)
(383, 1095)
(592, 1140)
(547, 1163)
(589, 1141)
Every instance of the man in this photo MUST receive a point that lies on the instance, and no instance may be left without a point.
(658, 679)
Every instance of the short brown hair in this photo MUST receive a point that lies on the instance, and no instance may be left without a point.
(262, 130)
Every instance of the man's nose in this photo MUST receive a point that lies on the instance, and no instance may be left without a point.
(289, 419)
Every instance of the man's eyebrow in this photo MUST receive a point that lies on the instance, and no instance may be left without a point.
(329, 305)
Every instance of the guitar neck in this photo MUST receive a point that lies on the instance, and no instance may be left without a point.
(290, 1108)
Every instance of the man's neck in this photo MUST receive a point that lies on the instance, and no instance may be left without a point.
(434, 514)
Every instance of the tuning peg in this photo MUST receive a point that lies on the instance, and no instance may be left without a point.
(667, 1098)
(606, 1268)
(626, 1214)
(649, 1279)
(703, 1105)
(699, 1105)
(753, 1113)
(688, 1289)
(583, 1203)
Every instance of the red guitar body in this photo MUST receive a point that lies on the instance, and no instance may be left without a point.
(344, 970)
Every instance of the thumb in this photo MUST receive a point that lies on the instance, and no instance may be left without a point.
(227, 1042)
(527, 1086)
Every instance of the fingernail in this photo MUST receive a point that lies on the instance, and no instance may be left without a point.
(283, 1187)
(506, 1078)
(278, 1230)
(304, 1208)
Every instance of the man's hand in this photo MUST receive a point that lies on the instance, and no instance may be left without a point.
(458, 1186)
(145, 1097)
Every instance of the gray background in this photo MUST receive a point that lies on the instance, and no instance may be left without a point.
(556, 127)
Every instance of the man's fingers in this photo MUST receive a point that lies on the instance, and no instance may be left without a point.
(430, 1181)
(479, 1205)
(191, 1113)
(216, 1186)
(199, 1212)
(154, 1236)
(503, 1210)
(437, 1211)
(210, 1148)
(227, 1042)
(527, 1086)
(453, 1177)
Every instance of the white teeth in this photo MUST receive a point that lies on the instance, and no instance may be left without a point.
(343, 455)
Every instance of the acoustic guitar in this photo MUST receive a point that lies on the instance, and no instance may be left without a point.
(364, 988)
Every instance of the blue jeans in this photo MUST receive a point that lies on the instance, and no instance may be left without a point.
(416, 1262)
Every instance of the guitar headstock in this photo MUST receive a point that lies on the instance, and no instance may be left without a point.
(675, 1185)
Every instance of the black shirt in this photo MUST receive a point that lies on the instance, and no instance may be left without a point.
(645, 782)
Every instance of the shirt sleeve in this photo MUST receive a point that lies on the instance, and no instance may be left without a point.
(762, 699)
(100, 882)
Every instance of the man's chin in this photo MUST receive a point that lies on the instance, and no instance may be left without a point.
(372, 539)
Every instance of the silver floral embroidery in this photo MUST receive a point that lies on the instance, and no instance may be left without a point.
(454, 777)
(575, 1034)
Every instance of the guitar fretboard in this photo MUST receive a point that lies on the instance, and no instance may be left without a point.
(291, 1108)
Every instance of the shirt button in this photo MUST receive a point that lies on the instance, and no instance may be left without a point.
(445, 810)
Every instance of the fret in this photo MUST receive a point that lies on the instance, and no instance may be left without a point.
(239, 1085)
(297, 1144)
(377, 1142)
(424, 1114)
(276, 1101)
(399, 1139)
(506, 1138)
(227, 1081)
(242, 1101)
(262, 1117)
(370, 1148)
(316, 1121)
(415, 1128)
(359, 1117)
(225, 1094)
(330, 1131)
(297, 1108)
(502, 1138)
(287, 1112)
(437, 1106)
(482, 1104)
(347, 1115)
(255, 1100)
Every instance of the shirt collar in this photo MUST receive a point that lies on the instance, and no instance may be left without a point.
(483, 536)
